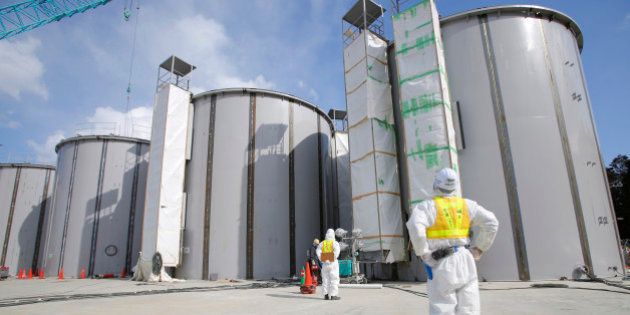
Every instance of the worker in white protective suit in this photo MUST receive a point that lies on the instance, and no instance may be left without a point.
(440, 231)
(328, 252)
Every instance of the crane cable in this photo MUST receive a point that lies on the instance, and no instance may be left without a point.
(127, 15)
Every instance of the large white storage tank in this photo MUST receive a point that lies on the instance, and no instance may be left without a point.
(342, 181)
(25, 193)
(98, 204)
(531, 153)
(259, 184)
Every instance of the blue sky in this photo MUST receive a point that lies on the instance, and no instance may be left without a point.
(73, 74)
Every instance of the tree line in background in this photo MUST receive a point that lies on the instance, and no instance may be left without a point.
(619, 180)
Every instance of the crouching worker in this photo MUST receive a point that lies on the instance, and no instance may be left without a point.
(439, 230)
(328, 252)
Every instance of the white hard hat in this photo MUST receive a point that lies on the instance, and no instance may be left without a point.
(446, 180)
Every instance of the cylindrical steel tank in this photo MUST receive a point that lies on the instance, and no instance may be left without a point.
(25, 193)
(259, 184)
(98, 203)
(531, 151)
(342, 183)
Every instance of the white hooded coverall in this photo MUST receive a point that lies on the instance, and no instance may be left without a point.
(330, 270)
(453, 286)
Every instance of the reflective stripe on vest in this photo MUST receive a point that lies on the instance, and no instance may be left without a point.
(328, 254)
(327, 246)
(452, 219)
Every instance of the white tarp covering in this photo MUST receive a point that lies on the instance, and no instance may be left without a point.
(373, 165)
(164, 205)
(427, 122)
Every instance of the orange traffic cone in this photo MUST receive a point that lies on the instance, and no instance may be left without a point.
(82, 273)
(41, 273)
(307, 278)
(61, 274)
(20, 275)
(123, 273)
(308, 287)
(30, 273)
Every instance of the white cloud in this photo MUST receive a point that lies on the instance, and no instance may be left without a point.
(625, 24)
(107, 120)
(313, 95)
(45, 152)
(199, 36)
(230, 82)
(7, 122)
(20, 68)
(204, 42)
(195, 38)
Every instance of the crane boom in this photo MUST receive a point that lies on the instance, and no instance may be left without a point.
(25, 16)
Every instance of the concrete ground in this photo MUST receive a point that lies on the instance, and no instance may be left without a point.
(93, 296)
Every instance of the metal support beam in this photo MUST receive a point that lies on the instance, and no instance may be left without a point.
(7, 233)
(208, 200)
(506, 152)
(251, 160)
(97, 209)
(292, 249)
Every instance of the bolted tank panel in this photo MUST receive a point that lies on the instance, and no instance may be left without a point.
(97, 209)
(342, 180)
(271, 188)
(591, 180)
(25, 194)
(531, 154)
(257, 184)
(306, 179)
(328, 163)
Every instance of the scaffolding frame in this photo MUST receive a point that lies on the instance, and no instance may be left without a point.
(370, 121)
(364, 12)
(174, 71)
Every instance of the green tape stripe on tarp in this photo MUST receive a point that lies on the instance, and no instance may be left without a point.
(422, 104)
(418, 27)
(421, 43)
(430, 148)
(423, 25)
(412, 11)
(377, 80)
(384, 124)
(429, 153)
(418, 76)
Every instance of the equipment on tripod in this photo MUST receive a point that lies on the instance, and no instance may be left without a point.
(351, 244)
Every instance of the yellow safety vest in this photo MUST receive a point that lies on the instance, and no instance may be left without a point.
(452, 219)
(328, 253)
